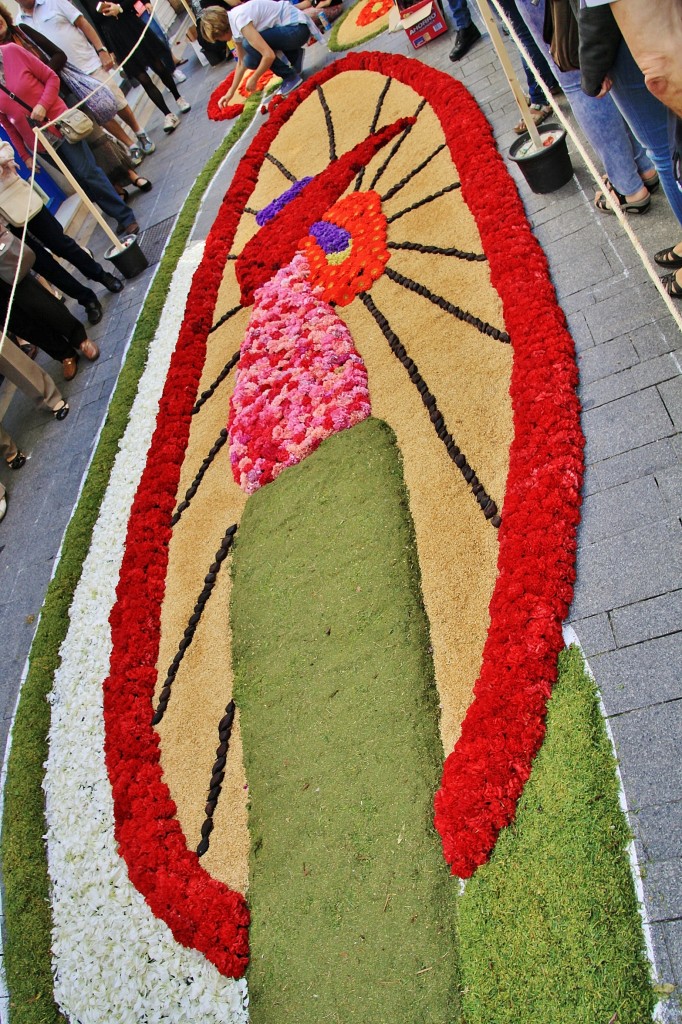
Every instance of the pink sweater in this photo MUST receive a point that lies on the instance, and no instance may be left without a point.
(32, 81)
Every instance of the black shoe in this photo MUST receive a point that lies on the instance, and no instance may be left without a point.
(94, 311)
(111, 283)
(464, 40)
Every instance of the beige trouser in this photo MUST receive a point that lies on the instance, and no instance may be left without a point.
(16, 366)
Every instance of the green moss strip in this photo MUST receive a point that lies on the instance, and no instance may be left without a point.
(352, 904)
(28, 920)
(549, 929)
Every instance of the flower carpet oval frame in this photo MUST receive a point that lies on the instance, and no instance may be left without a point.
(504, 725)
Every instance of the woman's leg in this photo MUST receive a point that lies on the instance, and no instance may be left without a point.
(159, 68)
(29, 377)
(536, 55)
(600, 120)
(44, 321)
(151, 90)
(49, 231)
(652, 123)
(8, 450)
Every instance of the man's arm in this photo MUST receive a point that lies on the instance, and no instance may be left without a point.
(93, 38)
(653, 31)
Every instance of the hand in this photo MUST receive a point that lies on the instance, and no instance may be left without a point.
(251, 84)
(29, 162)
(111, 10)
(225, 100)
(106, 60)
(605, 87)
(39, 113)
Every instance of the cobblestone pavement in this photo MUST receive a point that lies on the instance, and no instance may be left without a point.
(628, 601)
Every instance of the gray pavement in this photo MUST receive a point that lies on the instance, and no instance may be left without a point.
(628, 597)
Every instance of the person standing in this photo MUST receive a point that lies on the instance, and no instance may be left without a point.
(466, 31)
(65, 26)
(32, 87)
(137, 52)
(21, 371)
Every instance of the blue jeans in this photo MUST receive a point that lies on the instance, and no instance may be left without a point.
(461, 15)
(290, 39)
(652, 123)
(94, 182)
(523, 32)
(623, 157)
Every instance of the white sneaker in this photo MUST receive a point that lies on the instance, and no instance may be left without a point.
(183, 105)
(178, 77)
(3, 508)
(171, 122)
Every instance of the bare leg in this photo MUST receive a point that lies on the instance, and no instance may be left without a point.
(119, 132)
(128, 116)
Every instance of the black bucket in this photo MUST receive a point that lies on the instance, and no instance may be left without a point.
(128, 258)
(545, 169)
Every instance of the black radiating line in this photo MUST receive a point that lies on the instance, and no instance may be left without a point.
(217, 775)
(486, 503)
(194, 486)
(329, 121)
(280, 167)
(408, 177)
(205, 395)
(194, 619)
(437, 250)
(396, 145)
(232, 256)
(422, 202)
(447, 307)
(373, 128)
(225, 317)
(254, 213)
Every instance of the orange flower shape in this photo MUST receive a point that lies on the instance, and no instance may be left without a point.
(372, 11)
(343, 273)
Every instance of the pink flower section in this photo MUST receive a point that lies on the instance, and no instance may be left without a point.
(300, 379)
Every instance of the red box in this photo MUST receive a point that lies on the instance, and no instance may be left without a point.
(422, 21)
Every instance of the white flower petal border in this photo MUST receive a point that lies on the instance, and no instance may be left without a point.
(114, 961)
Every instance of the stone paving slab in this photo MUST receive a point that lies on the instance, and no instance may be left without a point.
(628, 596)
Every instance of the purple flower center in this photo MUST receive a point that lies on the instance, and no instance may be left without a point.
(273, 208)
(330, 237)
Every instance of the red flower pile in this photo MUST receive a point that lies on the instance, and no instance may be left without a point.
(372, 11)
(217, 113)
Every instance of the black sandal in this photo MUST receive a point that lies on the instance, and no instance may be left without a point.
(17, 462)
(670, 284)
(144, 184)
(668, 258)
(636, 206)
(61, 411)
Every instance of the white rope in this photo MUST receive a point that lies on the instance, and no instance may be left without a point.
(587, 159)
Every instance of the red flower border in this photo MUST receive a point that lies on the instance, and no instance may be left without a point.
(504, 725)
(217, 113)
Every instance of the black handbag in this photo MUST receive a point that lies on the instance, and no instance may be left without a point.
(560, 32)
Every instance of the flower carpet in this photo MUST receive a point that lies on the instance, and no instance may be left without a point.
(316, 632)
(361, 22)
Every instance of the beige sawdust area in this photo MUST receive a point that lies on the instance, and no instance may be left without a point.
(466, 371)
(351, 34)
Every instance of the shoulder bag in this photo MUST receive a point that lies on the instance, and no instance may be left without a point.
(13, 257)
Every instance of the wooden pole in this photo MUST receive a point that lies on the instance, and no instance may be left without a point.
(76, 187)
(491, 25)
